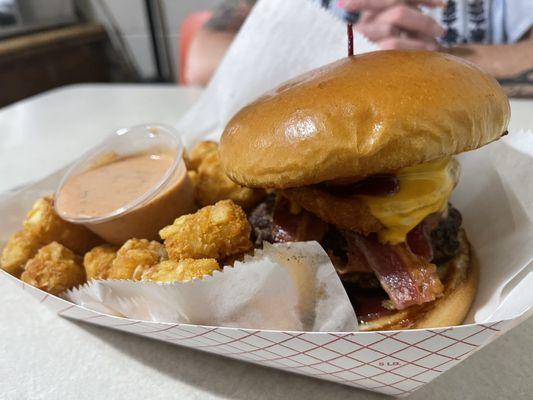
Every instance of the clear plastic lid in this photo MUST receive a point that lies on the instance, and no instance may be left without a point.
(150, 139)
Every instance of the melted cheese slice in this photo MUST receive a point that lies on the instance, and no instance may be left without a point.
(424, 189)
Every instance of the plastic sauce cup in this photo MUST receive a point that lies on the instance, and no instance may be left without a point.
(169, 195)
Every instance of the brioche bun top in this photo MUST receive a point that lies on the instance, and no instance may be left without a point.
(367, 114)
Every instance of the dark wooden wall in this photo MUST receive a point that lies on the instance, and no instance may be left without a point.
(40, 61)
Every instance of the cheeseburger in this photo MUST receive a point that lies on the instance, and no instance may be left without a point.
(360, 156)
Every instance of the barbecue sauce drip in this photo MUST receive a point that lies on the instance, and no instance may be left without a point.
(375, 185)
(367, 303)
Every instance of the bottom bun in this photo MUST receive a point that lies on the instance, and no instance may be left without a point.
(460, 278)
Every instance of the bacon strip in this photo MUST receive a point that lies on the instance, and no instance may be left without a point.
(356, 259)
(407, 278)
(419, 243)
(419, 238)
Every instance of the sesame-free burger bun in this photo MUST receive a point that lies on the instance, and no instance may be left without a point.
(372, 113)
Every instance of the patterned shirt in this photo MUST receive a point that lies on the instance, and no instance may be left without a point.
(484, 21)
(466, 21)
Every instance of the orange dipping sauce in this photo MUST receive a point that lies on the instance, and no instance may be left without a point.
(102, 190)
(106, 191)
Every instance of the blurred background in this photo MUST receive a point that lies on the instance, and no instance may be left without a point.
(52, 43)
(47, 44)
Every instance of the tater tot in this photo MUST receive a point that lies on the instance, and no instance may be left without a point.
(214, 231)
(194, 158)
(98, 261)
(43, 222)
(20, 247)
(54, 269)
(214, 185)
(183, 270)
(135, 256)
(193, 176)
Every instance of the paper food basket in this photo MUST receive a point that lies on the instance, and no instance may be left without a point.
(395, 363)
(495, 196)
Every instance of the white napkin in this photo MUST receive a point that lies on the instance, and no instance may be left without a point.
(279, 40)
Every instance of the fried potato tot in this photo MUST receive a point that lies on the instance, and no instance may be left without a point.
(214, 231)
(43, 222)
(214, 185)
(134, 257)
(198, 152)
(193, 176)
(54, 269)
(181, 271)
(20, 247)
(98, 261)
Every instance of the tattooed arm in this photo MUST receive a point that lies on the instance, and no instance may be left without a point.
(211, 42)
(511, 64)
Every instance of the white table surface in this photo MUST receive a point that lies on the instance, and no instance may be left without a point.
(43, 356)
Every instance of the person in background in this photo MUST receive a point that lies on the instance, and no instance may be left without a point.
(495, 34)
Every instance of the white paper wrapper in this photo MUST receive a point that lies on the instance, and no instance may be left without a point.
(290, 286)
(491, 199)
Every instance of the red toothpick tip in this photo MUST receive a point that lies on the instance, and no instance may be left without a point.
(349, 30)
